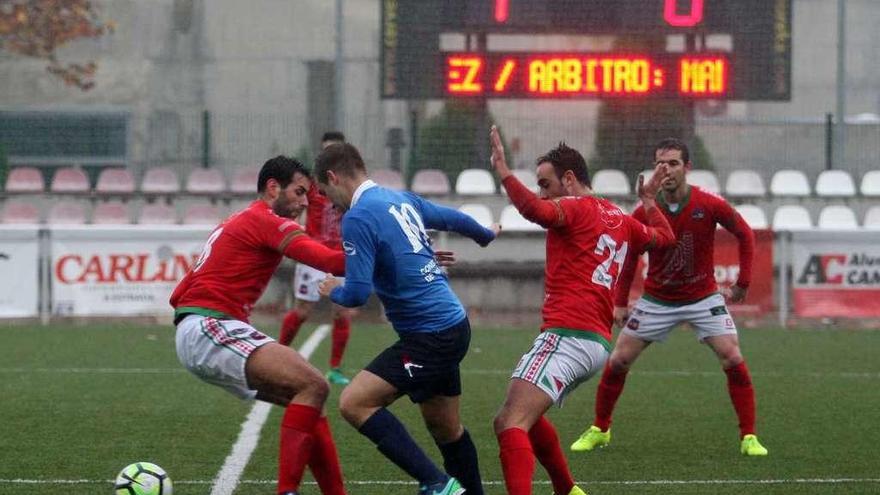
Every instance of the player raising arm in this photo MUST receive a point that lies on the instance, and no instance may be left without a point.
(681, 287)
(587, 241)
(388, 250)
(212, 304)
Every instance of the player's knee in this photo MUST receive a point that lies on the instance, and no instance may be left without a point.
(731, 359)
(619, 363)
(317, 388)
(443, 431)
(501, 421)
(349, 408)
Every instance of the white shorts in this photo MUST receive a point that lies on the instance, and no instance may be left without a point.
(652, 322)
(557, 364)
(216, 351)
(305, 282)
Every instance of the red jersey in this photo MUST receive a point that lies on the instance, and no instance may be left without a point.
(588, 239)
(323, 220)
(685, 272)
(240, 257)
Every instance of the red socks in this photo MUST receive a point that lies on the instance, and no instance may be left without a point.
(545, 443)
(341, 331)
(297, 427)
(609, 390)
(517, 461)
(325, 461)
(289, 327)
(742, 394)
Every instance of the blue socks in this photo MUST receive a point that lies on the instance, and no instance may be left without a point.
(393, 441)
(460, 461)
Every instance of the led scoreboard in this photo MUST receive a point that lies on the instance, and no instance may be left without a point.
(757, 65)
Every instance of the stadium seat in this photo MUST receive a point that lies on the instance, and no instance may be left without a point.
(648, 173)
(753, 215)
(25, 180)
(512, 221)
(202, 214)
(205, 181)
(244, 180)
(161, 180)
(871, 184)
(430, 182)
(837, 217)
(474, 182)
(611, 183)
(705, 180)
(111, 212)
(744, 184)
(387, 177)
(158, 214)
(789, 183)
(792, 217)
(527, 177)
(115, 181)
(70, 180)
(479, 212)
(20, 212)
(835, 183)
(67, 213)
(872, 218)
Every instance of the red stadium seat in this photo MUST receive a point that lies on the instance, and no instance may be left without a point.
(386, 177)
(115, 181)
(205, 181)
(70, 180)
(160, 180)
(111, 212)
(67, 213)
(20, 212)
(202, 214)
(244, 180)
(25, 180)
(158, 214)
(431, 181)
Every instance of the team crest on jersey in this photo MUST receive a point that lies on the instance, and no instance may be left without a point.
(611, 216)
(349, 248)
(698, 214)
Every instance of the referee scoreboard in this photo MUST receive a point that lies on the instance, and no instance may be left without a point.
(755, 66)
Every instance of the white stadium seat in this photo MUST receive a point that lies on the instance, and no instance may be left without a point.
(792, 217)
(753, 215)
(871, 183)
(527, 177)
(479, 212)
(512, 221)
(474, 182)
(835, 183)
(705, 180)
(744, 184)
(790, 183)
(872, 218)
(430, 181)
(611, 183)
(837, 217)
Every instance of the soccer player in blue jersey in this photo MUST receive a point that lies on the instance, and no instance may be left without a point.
(388, 250)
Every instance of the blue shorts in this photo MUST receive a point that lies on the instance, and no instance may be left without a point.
(424, 365)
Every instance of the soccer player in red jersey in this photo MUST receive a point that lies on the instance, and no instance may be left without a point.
(323, 224)
(587, 242)
(215, 341)
(681, 287)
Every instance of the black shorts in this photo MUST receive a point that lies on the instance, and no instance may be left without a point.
(424, 365)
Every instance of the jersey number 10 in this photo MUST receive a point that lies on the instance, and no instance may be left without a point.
(411, 224)
(602, 274)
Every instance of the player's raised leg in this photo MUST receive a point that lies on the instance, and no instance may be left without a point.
(363, 404)
(626, 350)
(740, 389)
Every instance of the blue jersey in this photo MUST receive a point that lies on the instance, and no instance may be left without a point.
(388, 250)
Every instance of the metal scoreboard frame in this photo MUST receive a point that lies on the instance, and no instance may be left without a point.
(758, 67)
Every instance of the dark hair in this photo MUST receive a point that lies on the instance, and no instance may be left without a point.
(281, 168)
(341, 158)
(333, 136)
(673, 144)
(564, 159)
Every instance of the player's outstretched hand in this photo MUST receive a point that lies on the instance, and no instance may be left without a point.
(328, 284)
(498, 161)
(496, 229)
(444, 258)
(648, 191)
(734, 294)
(621, 314)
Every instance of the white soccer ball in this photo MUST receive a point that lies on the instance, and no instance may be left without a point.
(143, 478)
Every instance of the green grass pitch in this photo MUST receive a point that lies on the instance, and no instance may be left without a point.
(78, 403)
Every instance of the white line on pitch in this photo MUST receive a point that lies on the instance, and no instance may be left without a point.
(229, 475)
(781, 481)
